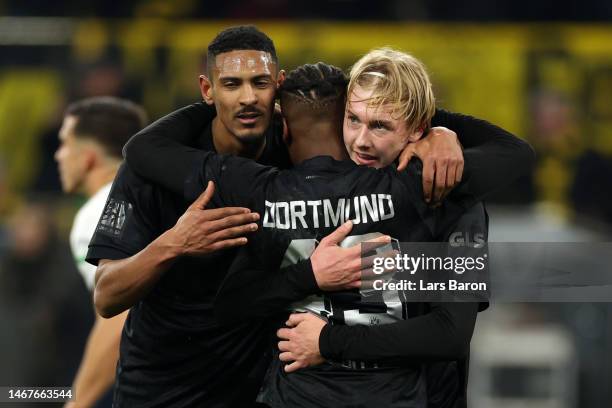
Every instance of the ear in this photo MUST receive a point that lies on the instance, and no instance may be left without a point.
(90, 157)
(286, 135)
(416, 135)
(206, 89)
(280, 78)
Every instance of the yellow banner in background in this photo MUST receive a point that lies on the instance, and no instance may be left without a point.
(549, 83)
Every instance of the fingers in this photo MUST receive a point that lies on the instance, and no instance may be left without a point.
(228, 243)
(286, 356)
(380, 271)
(367, 284)
(283, 333)
(405, 157)
(338, 235)
(370, 245)
(440, 179)
(368, 278)
(220, 213)
(283, 346)
(234, 232)
(296, 365)
(359, 263)
(377, 242)
(369, 260)
(295, 319)
(459, 172)
(201, 202)
(428, 179)
(451, 176)
(355, 282)
(239, 220)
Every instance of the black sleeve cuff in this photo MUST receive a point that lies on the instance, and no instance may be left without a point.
(97, 252)
(301, 278)
(334, 340)
(325, 343)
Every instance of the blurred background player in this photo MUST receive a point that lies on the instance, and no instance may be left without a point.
(92, 136)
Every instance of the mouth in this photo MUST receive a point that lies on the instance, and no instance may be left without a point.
(365, 159)
(248, 118)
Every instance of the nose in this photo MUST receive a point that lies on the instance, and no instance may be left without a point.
(363, 139)
(57, 154)
(248, 95)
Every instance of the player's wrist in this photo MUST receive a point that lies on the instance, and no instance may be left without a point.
(421, 147)
(319, 274)
(167, 248)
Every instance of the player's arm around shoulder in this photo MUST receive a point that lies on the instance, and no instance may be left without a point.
(123, 282)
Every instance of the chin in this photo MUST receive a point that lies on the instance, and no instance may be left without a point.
(251, 137)
(69, 189)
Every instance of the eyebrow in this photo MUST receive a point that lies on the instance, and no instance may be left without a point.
(373, 122)
(237, 78)
(385, 123)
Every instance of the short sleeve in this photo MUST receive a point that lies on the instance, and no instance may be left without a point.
(129, 221)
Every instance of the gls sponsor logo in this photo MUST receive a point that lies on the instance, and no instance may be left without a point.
(465, 239)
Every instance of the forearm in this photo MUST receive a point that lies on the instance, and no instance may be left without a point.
(471, 131)
(97, 370)
(442, 334)
(123, 282)
(492, 166)
(493, 156)
(164, 145)
(166, 163)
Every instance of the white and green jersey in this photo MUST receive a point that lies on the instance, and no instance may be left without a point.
(83, 229)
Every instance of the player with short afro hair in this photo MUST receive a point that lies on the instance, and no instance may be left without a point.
(315, 82)
(312, 100)
(321, 86)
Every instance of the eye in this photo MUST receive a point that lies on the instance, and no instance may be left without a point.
(262, 83)
(379, 126)
(231, 84)
(353, 119)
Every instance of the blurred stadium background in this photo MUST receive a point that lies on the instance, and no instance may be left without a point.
(541, 69)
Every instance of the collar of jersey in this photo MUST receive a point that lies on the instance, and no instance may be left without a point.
(325, 163)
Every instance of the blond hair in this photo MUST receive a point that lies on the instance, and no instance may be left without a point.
(399, 80)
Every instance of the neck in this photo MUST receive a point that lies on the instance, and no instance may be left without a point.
(320, 140)
(99, 177)
(227, 143)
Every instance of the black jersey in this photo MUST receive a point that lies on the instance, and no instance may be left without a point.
(173, 351)
(492, 144)
(304, 204)
(496, 149)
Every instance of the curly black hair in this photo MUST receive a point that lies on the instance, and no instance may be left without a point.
(244, 37)
(315, 82)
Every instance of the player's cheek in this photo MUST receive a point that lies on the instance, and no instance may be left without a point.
(349, 138)
(389, 152)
